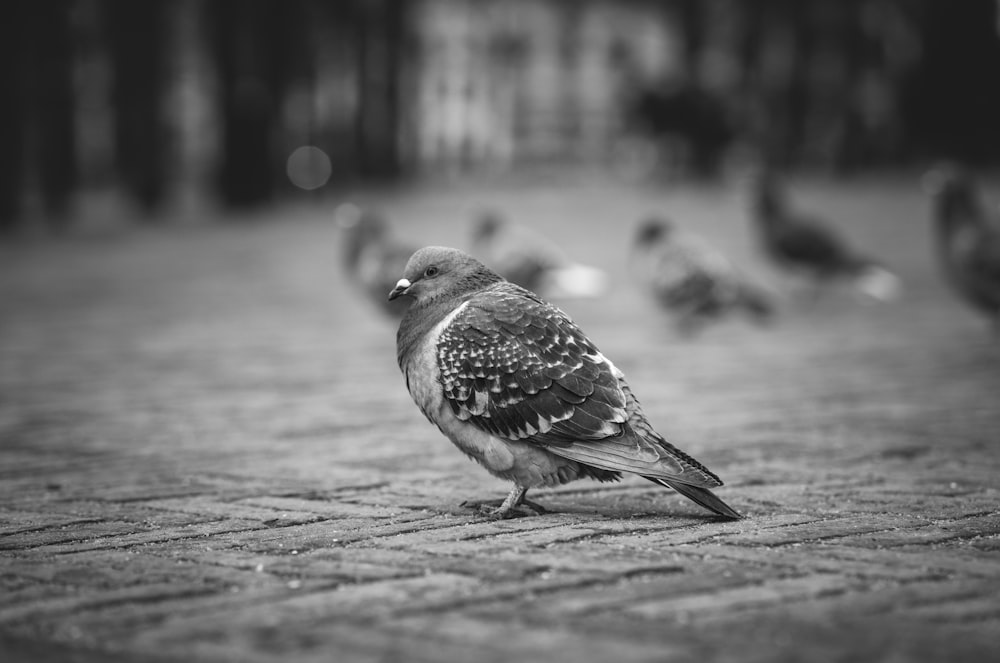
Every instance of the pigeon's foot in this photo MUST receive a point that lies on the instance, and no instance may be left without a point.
(514, 506)
(527, 509)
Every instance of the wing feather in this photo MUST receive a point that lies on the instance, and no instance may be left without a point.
(538, 378)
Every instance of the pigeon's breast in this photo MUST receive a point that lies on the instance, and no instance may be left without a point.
(513, 460)
(423, 376)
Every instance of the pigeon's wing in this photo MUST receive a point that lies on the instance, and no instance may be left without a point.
(688, 274)
(706, 257)
(523, 256)
(518, 368)
(810, 242)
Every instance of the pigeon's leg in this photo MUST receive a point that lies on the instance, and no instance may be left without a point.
(514, 505)
(514, 499)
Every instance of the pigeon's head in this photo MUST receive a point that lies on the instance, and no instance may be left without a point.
(438, 271)
(653, 230)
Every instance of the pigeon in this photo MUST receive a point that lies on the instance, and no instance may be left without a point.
(801, 243)
(967, 238)
(518, 387)
(526, 257)
(372, 256)
(690, 278)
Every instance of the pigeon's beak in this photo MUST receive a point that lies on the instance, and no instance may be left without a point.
(400, 289)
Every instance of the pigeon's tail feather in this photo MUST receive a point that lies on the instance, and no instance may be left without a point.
(699, 495)
(756, 302)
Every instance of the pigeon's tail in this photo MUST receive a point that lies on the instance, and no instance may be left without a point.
(877, 282)
(574, 282)
(702, 496)
(756, 302)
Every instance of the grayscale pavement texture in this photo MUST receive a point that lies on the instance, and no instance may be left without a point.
(207, 453)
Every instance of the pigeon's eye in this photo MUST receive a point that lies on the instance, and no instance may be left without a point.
(431, 271)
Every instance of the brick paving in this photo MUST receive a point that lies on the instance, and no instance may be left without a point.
(207, 453)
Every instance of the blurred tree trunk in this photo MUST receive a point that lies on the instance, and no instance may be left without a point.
(54, 97)
(338, 85)
(13, 50)
(37, 139)
(691, 18)
(137, 33)
(789, 134)
(381, 31)
(250, 39)
(955, 105)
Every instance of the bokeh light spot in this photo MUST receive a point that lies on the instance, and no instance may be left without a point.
(308, 167)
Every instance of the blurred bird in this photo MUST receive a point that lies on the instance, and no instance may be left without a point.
(518, 387)
(804, 244)
(529, 259)
(690, 278)
(371, 255)
(967, 237)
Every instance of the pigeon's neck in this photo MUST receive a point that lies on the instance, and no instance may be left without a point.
(424, 314)
(420, 319)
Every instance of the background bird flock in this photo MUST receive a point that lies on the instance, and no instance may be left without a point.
(694, 283)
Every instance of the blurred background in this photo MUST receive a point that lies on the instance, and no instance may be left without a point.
(189, 104)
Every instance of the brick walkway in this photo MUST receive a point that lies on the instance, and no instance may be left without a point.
(207, 453)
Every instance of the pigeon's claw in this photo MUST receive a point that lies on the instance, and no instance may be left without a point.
(514, 506)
